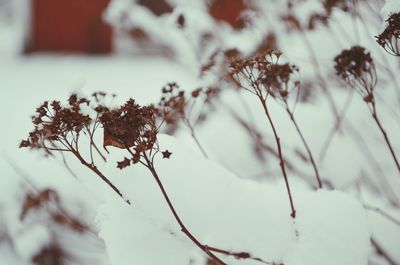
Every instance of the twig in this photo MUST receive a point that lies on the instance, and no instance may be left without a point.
(282, 161)
(237, 255)
(375, 117)
(153, 171)
(381, 252)
(383, 213)
(305, 145)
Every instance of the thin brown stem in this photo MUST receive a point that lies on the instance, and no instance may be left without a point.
(237, 255)
(184, 229)
(381, 252)
(375, 116)
(100, 174)
(193, 134)
(310, 156)
(382, 213)
(336, 127)
(282, 161)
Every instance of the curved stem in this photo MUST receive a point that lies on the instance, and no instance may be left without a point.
(375, 116)
(193, 134)
(237, 255)
(310, 156)
(282, 161)
(153, 171)
(336, 126)
(98, 173)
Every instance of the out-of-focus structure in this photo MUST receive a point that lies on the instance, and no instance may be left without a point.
(68, 26)
(78, 26)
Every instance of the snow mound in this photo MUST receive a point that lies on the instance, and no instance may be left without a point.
(234, 214)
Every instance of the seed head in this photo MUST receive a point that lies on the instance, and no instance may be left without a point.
(356, 67)
(389, 39)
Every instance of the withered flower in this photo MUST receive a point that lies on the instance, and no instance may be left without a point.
(132, 127)
(329, 5)
(54, 123)
(263, 75)
(356, 67)
(173, 104)
(166, 154)
(389, 39)
(124, 163)
(176, 107)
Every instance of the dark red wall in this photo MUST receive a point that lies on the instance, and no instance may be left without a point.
(227, 10)
(69, 26)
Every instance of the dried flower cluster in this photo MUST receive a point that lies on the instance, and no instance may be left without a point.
(56, 124)
(41, 200)
(329, 5)
(356, 67)
(389, 39)
(177, 107)
(293, 22)
(263, 75)
(130, 127)
(45, 206)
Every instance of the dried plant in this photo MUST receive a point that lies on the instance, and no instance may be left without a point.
(58, 128)
(261, 76)
(131, 127)
(280, 81)
(389, 39)
(293, 23)
(176, 106)
(356, 67)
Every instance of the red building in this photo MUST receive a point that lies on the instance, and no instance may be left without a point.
(69, 26)
(77, 25)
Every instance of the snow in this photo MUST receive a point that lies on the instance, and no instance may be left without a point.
(390, 7)
(31, 242)
(326, 219)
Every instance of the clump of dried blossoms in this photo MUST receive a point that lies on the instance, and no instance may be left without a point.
(177, 107)
(293, 22)
(60, 128)
(262, 75)
(57, 127)
(389, 39)
(265, 76)
(356, 67)
(131, 127)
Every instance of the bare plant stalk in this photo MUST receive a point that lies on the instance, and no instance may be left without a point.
(310, 156)
(381, 252)
(375, 116)
(150, 166)
(193, 134)
(199, 145)
(237, 255)
(336, 127)
(281, 160)
(382, 213)
(94, 169)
